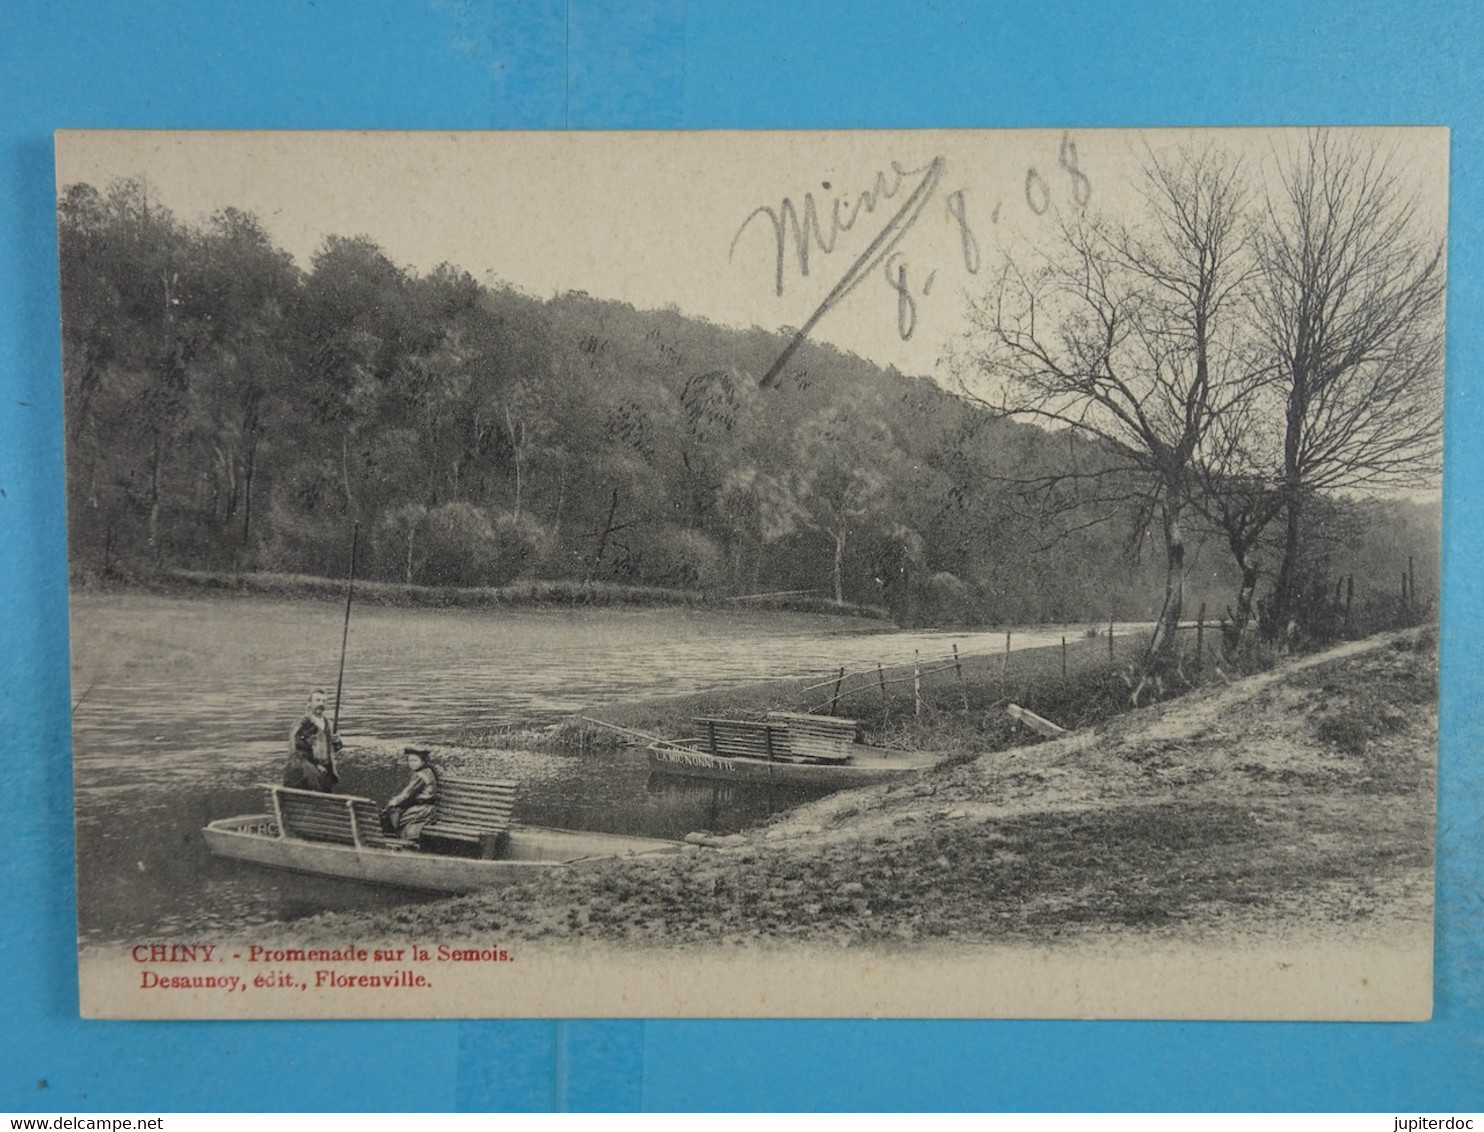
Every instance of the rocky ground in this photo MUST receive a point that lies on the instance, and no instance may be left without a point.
(1298, 801)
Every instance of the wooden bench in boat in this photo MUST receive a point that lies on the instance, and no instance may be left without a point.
(340, 819)
(473, 810)
(476, 811)
(744, 738)
(825, 738)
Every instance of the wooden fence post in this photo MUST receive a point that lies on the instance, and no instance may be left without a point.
(1200, 635)
(1110, 636)
(835, 700)
(916, 682)
(881, 679)
(959, 669)
(1349, 595)
(1411, 584)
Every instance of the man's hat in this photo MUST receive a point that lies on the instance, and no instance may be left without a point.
(420, 752)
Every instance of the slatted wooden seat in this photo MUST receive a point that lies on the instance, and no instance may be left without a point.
(744, 738)
(312, 816)
(368, 823)
(473, 810)
(824, 738)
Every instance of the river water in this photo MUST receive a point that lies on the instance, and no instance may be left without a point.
(182, 708)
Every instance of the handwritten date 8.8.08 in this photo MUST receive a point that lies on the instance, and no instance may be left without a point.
(816, 225)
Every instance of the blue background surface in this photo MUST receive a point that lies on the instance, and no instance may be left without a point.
(477, 64)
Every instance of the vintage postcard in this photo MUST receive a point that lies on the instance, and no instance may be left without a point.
(833, 574)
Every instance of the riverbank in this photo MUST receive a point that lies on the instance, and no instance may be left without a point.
(954, 703)
(1297, 803)
(533, 593)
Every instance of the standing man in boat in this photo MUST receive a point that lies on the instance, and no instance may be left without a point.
(411, 808)
(311, 764)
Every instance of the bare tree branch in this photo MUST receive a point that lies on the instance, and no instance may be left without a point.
(1351, 312)
(1125, 335)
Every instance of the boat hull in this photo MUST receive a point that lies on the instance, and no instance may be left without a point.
(531, 851)
(866, 765)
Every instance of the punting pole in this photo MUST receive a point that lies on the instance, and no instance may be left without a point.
(350, 585)
(630, 731)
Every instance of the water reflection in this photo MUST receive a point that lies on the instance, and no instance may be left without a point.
(726, 807)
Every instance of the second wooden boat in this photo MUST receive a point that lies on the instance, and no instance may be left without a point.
(785, 750)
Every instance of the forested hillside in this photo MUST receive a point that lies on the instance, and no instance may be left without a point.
(230, 411)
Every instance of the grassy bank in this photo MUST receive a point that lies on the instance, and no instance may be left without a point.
(530, 593)
(954, 707)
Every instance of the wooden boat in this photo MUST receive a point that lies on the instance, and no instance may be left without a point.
(785, 750)
(339, 836)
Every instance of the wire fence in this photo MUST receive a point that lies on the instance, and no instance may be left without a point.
(952, 671)
(1200, 641)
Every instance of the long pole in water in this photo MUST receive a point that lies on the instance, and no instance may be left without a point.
(630, 731)
(350, 585)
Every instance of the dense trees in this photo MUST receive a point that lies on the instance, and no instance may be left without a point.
(230, 411)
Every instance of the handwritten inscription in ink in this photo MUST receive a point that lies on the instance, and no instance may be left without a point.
(803, 232)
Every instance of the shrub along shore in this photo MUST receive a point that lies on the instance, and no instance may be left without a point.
(532, 593)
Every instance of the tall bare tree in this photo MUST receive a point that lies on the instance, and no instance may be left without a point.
(1351, 311)
(1126, 334)
(1240, 493)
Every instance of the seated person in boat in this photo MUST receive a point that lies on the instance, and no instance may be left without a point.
(411, 808)
(311, 764)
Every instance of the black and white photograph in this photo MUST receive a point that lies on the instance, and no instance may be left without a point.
(754, 574)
